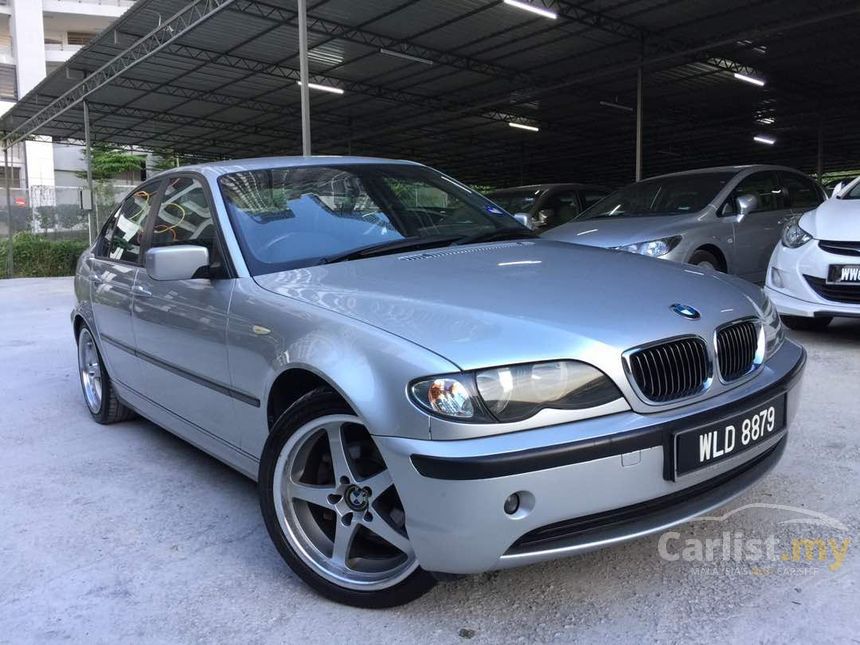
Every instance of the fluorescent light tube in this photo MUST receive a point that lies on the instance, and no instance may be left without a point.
(749, 79)
(523, 126)
(541, 11)
(762, 139)
(323, 88)
(414, 59)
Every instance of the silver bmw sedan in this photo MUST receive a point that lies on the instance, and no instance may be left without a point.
(419, 385)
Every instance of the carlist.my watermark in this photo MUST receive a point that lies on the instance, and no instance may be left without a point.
(807, 539)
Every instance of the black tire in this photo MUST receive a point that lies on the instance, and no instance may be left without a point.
(706, 259)
(110, 409)
(800, 323)
(313, 405)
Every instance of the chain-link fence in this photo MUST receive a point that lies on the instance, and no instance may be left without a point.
(58, 212)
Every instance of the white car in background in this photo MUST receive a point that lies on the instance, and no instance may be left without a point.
(814, 272)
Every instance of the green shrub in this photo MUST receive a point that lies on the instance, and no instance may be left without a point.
(37, 257)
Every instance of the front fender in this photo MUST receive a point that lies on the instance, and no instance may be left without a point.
(269, 334)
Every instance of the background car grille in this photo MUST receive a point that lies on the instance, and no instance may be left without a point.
(736, 348)
(840, 248)
(849, 293)
(671, 370)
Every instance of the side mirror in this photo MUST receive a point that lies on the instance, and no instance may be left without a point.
(837, 189)
(746, 205)
(524, 219)
(181, 262)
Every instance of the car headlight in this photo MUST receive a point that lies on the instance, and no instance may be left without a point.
(515, 392)
(793, 236)
(774, 332)
(652, 248)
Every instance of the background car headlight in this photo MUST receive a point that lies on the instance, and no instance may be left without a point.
(652, 248)
(774, 332)
(517, 392)
(793, 236)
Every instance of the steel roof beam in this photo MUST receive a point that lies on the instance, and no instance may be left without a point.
(156, 40)
(291, 74)
(335, 30)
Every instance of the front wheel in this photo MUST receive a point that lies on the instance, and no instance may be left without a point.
(705, 260)
(799, 323)
(331, 507)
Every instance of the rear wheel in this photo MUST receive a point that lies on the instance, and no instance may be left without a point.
(332, 510)
(99, 394)
(706, 260)
(807, 324)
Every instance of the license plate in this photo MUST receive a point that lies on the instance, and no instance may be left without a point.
(844, 274)
(715, 442)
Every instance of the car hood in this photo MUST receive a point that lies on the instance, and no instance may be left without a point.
(616, 231)
(836, 220)
(521, 301)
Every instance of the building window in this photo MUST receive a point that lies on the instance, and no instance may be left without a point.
(79, 37)
(14, 177)
(8, 83)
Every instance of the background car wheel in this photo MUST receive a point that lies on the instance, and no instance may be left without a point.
(706, 260)
(99, 394)
(807, 324)
(331, 507)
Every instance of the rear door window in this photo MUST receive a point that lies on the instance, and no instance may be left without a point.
(127, 233)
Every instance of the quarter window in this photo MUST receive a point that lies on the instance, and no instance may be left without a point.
(184, 216)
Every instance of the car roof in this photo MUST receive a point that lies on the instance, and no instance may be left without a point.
(537, 187)
(732, 169)
(260, 163)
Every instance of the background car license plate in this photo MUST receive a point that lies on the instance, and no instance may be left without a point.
(715, 442)
(844, 274)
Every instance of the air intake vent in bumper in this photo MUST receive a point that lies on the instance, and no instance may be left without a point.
(672, 370)
(736, 349)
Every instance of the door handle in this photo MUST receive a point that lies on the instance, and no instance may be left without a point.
(140, 290)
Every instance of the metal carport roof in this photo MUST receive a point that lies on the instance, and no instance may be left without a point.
(217, 78)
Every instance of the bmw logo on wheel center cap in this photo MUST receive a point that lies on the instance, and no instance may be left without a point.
(686, 311)
(356, 497)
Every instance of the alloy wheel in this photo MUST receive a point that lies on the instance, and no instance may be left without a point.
(336, 503)
(90, 369)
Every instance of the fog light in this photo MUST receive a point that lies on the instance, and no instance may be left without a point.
(512, 504)
(776, 277)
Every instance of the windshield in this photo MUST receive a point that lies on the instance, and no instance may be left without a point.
(675, 195)
(293, 217)
(516, 201)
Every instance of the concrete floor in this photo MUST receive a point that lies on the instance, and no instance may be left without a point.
(127, 534)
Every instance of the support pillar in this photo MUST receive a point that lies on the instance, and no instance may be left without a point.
(303, 71)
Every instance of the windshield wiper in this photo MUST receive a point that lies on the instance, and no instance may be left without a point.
(497, 235)
(392, 246)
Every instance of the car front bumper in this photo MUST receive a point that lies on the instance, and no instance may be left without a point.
(577, 494)
(789, 289)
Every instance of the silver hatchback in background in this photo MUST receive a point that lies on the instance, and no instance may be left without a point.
(727, 218)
